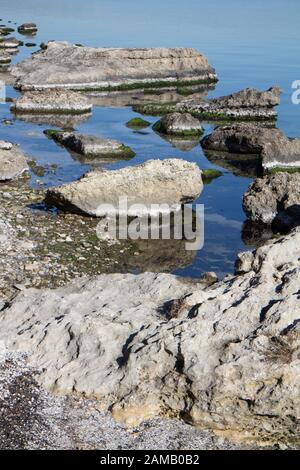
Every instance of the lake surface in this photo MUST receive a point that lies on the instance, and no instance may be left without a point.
(253, 45)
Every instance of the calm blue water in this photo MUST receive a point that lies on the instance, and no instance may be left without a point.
(254, 44)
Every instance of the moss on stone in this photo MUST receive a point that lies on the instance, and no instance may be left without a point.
(210, 174)
(149, 85)
(137, 123)
(155, 109)
(283, 169)
(158, 127)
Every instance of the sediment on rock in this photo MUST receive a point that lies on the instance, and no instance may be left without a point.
(156, 182)
(63, 65)
(225, 357)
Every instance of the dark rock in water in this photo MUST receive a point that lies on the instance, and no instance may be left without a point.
(179, 124)
(273, 147)
(60, 64)
(52, 101)
(274, 200)
(10, 43)
(90, 146)
(248, 104)
(30, 44)
(27, 28)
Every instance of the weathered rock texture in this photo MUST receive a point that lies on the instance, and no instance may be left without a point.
(274, 199)
(173, 182)
(68, 66)
(90, 146)
(275, 149)
(248, 104)
(52, 101)
(225, 357)
(179, 124)
(33, 419)
(12, 161)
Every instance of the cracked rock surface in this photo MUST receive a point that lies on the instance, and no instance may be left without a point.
(224, 357)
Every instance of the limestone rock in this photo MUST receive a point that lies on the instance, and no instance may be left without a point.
(9, 43)
(52, 101)
(64, 65)
(179, 124)
(173, 182)
(226, 356)
(90, 146)
(245, 104)
(12, 161)
(274, 148)
(244, 262)
(274, 199)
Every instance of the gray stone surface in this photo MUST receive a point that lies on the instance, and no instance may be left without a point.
(173, 182)
(274, 199)
(33, 419)
(61, 64)
(226, 356)
(248, 104)
(274, 148)
(52, 101)
(12, 161)
(179, 124)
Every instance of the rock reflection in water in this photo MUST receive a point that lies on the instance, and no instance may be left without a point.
(64, 121)
(248, 166)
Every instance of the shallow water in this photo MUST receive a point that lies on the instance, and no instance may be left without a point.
(249, 45)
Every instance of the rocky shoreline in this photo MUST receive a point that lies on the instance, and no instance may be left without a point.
(97, 332)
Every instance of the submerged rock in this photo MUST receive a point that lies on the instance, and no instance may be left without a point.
(202, 353)
(52, 101)
(274, 199)
(248, 104)
(137, 123)
(178, 124)
(172, 182)
(90, 146)
(63, 65)
(12, 161)
(27, 28)
(274, 148)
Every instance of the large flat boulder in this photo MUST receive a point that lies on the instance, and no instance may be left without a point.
(52, 101)
(274, 199)
(173, 182)
(225, 357)
(64, 65)
(90, 146)
(272, 145)
(13, 162)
